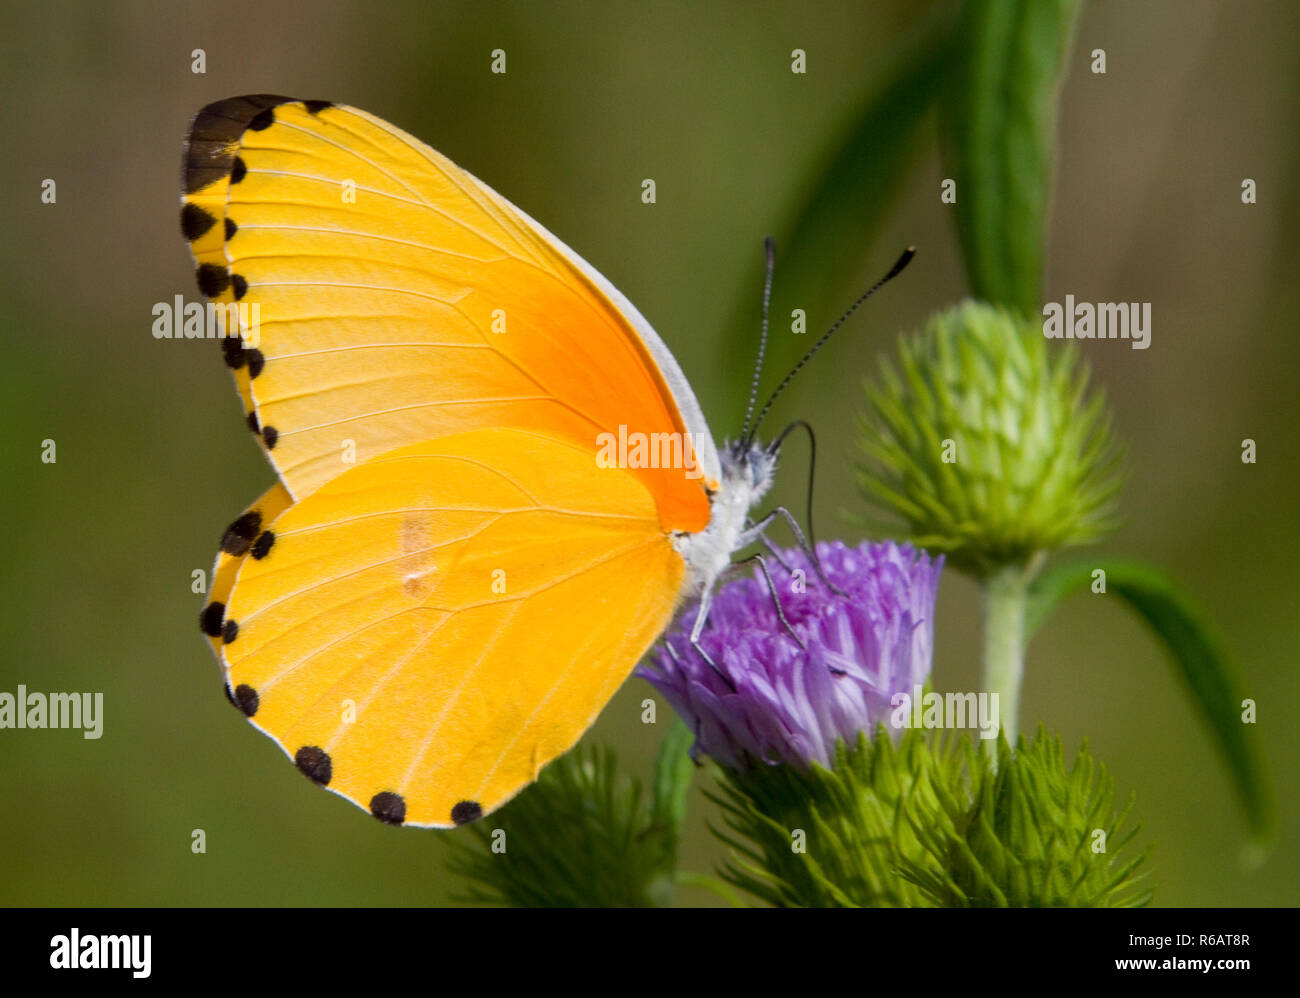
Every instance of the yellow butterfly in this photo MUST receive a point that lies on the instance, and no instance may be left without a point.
(495, 484)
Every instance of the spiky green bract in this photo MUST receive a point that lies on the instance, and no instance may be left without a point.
(932, 821)
(985, 442)
(834, 838)
(583, 836)
(1030, 834)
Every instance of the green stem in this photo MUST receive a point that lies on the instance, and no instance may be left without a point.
(1005, 595)
(702, 880)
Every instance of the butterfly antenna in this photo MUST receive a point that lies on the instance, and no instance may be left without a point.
(894, 271)
(770, 248)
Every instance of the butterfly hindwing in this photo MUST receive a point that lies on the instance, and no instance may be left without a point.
(248, 535)
(431, 627)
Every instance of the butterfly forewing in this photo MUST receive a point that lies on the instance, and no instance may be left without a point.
(399, 299)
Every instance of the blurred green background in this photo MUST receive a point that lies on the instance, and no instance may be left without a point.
(154, 461)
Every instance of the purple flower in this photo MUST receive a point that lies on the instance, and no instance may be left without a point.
(770, 699)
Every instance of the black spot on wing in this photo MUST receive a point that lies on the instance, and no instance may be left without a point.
(270, 434)
(256, 361)
(466, 811)
(213, 141)
(246, 699)
(238, 171)
(213, 279)
(317, 106)
(229, 631)
(238, 285)
(262, 121)
(252, 423)
(388, 807)
(315, 764)
(231, 229)
(232, 350)
(262, 546)
(239, 535)
(210, 619)
(195, 221)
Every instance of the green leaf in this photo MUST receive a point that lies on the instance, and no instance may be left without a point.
(1202, 661)
(674, 772)
(999, 137)
(848, 196)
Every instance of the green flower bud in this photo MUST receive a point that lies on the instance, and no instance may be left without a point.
(1029, 833)
(820, 838)
(986, 444)
(584, 835)
(933, 821)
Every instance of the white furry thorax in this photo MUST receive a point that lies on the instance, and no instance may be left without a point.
(747, 474)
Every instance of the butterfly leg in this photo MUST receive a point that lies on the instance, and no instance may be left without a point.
(677, 660)
(757, 532)
(771, 588)
(772, 549)
(706, 603)
(701, 618)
